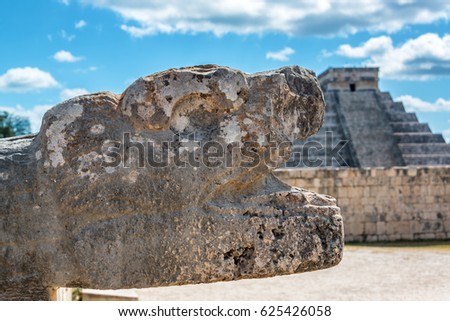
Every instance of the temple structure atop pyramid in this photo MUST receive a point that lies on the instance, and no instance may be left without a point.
(364, 127)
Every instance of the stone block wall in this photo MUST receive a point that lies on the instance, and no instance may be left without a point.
(384, 204)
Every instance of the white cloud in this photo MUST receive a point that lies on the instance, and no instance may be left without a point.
(26, 79)
(301, 17)
(282, 55)
(86, 70)
(65, 56)
(413, 104)
(34, 114)
(422, 58)
(325, 53)
(72, 92)
(80, 24)
(373, 46)
(66, 36)
(65, 2)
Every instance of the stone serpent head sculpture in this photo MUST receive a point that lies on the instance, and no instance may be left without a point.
(169, 183)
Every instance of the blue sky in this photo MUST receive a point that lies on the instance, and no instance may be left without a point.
(55, 49)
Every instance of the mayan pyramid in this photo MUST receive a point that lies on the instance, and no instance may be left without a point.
(367, 127)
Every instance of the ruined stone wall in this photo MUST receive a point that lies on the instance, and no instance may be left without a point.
(380, 204)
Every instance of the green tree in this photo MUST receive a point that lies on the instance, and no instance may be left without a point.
(13, 125)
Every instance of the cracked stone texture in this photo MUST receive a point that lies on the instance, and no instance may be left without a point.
(68, 220)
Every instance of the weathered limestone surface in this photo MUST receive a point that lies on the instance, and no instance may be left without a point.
(70, 218)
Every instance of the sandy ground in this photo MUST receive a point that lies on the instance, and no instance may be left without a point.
(365, 273)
